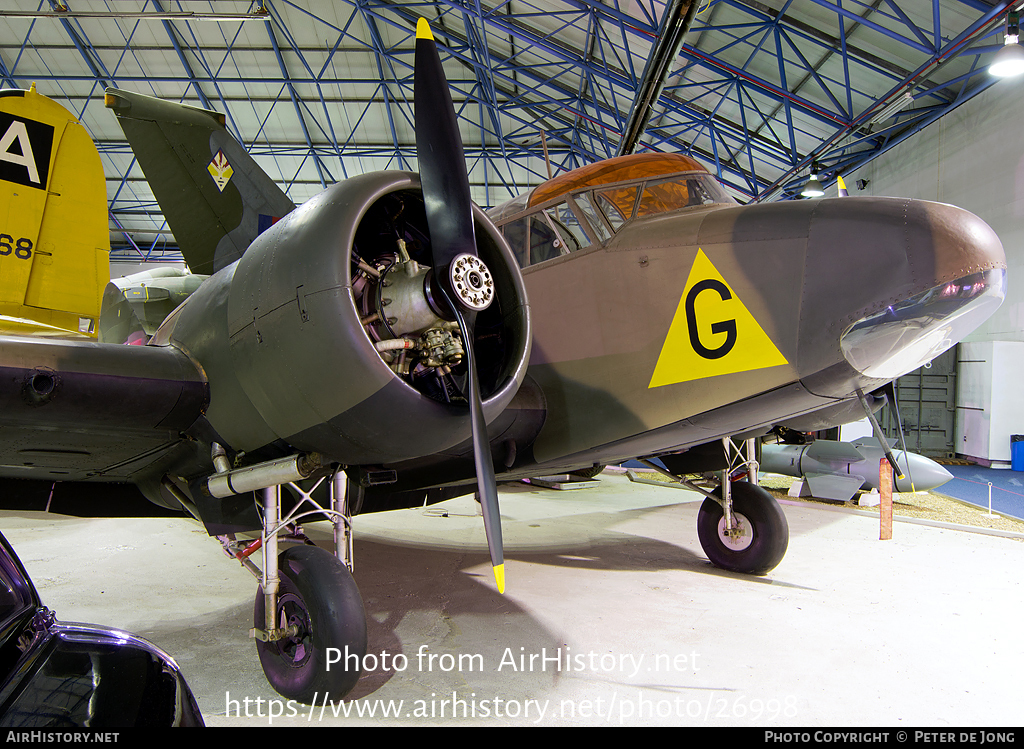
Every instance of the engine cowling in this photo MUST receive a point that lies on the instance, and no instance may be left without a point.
(325, 336)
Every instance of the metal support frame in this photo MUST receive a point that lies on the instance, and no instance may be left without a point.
(738, 455)
(274, 525)
(571, 67)
(742, 455)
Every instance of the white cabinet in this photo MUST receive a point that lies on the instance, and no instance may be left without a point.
(990, 400)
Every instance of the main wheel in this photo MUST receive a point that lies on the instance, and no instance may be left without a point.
(319, 596)
(764, 532)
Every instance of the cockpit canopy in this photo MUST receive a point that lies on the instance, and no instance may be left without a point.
(586, 206)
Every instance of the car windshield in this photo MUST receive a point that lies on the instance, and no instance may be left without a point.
(15, 591)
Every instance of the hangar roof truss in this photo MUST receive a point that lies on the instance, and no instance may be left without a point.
(319, 91)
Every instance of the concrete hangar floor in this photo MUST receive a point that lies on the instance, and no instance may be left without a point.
(610, 586)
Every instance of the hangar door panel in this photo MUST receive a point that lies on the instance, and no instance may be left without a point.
(927, 401)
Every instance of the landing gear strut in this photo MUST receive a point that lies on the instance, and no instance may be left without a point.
(309, 622)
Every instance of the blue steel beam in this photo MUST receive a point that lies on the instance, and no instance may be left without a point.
(960, 43)
(193, 80)
(548, 82)
(584, 112)
(320, 166)
(381, 57)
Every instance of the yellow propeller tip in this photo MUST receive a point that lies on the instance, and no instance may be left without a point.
(423, 30)
(842, 184)
(499, 578)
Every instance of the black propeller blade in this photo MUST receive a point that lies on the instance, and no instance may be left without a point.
(442, 162)
(463, 279)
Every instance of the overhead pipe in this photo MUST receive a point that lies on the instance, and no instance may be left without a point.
(674, 26)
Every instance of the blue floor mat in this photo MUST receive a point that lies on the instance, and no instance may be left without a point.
(971, 485)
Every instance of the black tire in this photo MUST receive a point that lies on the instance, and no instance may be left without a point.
(588, 473)
(318, 593)
(768, 531)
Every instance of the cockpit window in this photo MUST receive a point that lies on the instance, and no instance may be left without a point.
(568, 227)
(586, 205)
(545, 243)
(591, 215)
(618, 204)
(553, 231)
(515, 235)
(666, 195)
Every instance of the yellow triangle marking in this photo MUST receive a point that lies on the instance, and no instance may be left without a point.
(712, 333)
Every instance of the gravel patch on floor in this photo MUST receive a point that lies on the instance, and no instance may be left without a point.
(924, 505)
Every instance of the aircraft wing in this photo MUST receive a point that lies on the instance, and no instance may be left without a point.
(74, 410)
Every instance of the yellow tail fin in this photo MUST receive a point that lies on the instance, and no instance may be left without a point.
(54, 237)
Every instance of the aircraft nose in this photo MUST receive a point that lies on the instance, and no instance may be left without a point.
(896, 282)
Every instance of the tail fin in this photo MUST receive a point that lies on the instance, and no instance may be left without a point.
(215, 198)
(54, 239)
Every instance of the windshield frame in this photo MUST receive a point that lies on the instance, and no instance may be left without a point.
(604, 233)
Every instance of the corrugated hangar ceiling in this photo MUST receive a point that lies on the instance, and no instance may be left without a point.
(318, 91)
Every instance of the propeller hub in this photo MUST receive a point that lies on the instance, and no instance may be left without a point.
(472, 282)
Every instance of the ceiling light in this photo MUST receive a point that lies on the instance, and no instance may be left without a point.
(813, 187)
(1009, 61)
(894, 106)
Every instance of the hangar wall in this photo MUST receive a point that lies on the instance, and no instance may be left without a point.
(974, 158)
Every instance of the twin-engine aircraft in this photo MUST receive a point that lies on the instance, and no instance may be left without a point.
(391, 336)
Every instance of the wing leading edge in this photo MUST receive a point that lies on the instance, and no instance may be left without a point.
(81, 410)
